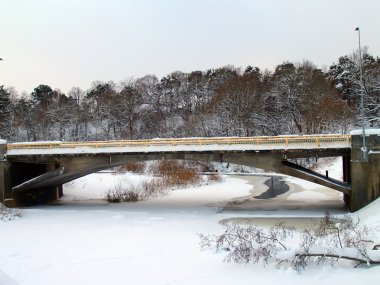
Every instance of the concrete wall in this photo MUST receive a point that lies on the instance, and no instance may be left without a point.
(4, 172)
(374, 183)
(6, 196)
(364, 174)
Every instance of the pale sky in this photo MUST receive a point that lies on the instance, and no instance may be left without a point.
(67, 43)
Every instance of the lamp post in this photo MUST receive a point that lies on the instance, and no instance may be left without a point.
(364, 147)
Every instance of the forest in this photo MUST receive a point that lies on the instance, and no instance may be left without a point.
(294, 98)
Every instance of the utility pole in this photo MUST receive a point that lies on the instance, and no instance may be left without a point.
(364, 147)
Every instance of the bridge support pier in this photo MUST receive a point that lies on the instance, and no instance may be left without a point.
(5, 176)
(365, 175)
(346, 163)
(58, 190)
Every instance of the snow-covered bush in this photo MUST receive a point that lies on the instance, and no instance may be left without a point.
(329, 240)
(7, 214)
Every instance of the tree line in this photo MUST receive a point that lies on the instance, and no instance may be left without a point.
(295, 98)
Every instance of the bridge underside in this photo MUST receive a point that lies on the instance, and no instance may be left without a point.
(53, 171)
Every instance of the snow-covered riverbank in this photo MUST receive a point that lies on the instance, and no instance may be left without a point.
(155, 241)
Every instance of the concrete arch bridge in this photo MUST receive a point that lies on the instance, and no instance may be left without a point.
(35, 171)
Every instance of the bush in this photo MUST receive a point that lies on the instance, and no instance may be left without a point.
(123, 192)
(215, 177)
(124, 195)
(152, 189)
(7, 214)
(176, 174)
(131, 196)
(134, 167)
(172, 174)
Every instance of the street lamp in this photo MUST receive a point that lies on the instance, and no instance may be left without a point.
(364, 147)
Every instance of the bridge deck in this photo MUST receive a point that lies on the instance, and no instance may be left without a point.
(311, 142)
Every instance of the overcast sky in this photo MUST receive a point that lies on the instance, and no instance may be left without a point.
(67, 43)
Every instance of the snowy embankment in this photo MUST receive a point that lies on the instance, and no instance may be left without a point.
(150, 242)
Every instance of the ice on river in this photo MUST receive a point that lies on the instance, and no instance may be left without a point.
(81, 241)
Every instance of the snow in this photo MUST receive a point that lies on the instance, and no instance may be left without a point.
(6, 280)
(94, 186)
(3, 141)
(367, 132)
(334, 166)
(38, 142)
(307, 196)
(83, 240)
(370, 213)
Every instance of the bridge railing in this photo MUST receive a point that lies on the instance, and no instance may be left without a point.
(280, 142)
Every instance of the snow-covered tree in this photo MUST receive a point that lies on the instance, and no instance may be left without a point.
(127, 113)
(240, 105)
(346, 76)
(5, 114)
(307, 98)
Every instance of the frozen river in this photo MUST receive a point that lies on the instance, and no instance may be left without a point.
(84, 240)
(286, 194)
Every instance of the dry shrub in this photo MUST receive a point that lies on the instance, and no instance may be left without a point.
(114, 196)
(7, 214)
(173, 174)
(134, 167)
(176, 174)
(127, 194)
(153, 188)
(215, 177)
(124, 192)
(328, 240)
(131, 196)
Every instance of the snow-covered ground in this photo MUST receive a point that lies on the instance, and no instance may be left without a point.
(333, 165)
(84, 240)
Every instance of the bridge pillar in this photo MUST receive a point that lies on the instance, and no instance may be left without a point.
(346, 162)
(365, 179)
(58, 190)
(5, 180)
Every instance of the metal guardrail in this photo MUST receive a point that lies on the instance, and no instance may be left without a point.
(280, 142)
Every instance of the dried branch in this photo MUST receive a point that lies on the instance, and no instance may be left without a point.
(330, 239)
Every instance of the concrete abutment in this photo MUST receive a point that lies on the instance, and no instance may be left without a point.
(365, 181)
(14, 173)
(5, 176)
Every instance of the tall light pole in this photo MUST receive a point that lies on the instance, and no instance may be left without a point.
(364, 147)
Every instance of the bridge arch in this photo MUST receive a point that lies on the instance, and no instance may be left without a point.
(68, 168)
